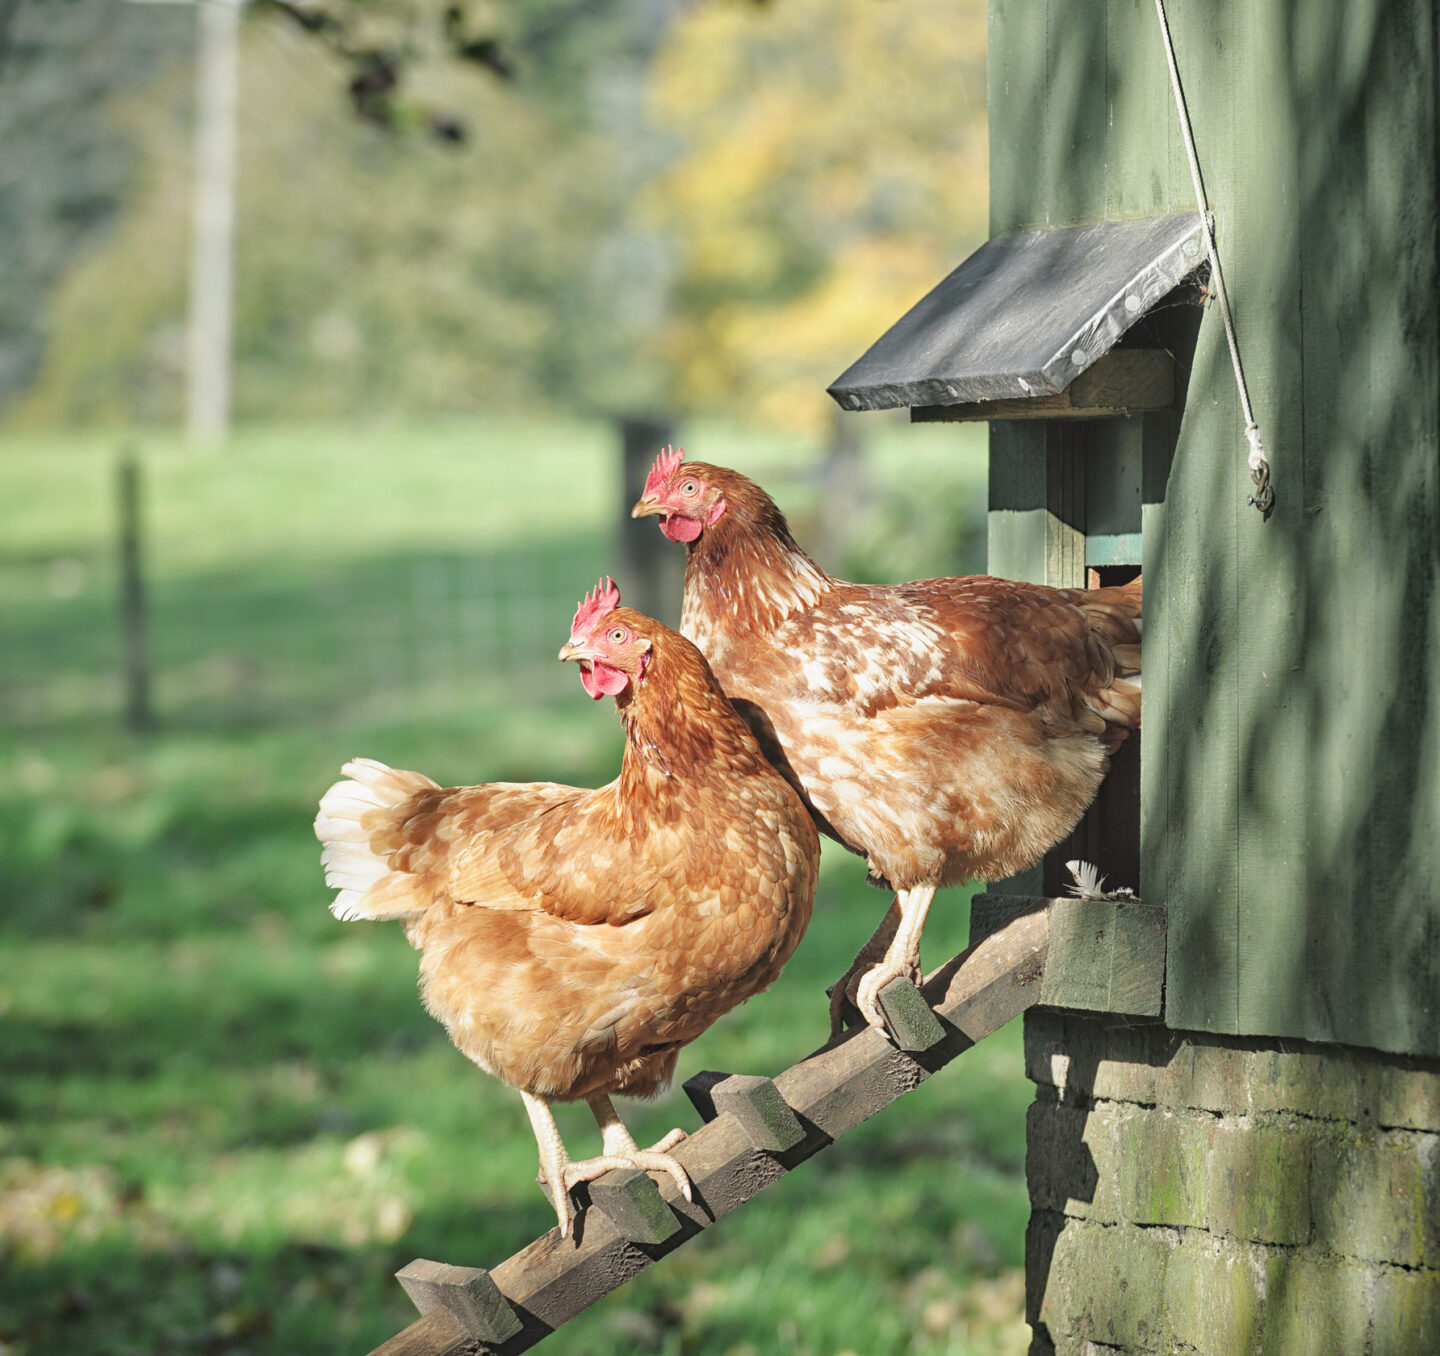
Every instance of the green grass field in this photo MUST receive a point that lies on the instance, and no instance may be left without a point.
(225, 1120)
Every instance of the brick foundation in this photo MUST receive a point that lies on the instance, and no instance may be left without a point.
(1192, 1193)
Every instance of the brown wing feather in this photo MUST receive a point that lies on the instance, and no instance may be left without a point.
(539, 846)
(1046, 649)
(1053, 652)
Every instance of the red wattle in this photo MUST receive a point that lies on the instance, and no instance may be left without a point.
(677, 528)
(600, 680)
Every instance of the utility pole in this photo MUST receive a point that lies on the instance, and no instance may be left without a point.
(212, 252)
(212, 259)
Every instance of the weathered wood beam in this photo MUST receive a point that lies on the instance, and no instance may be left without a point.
(1125, 381)
(757, 1129)
(1106, 955)
(437, 1334)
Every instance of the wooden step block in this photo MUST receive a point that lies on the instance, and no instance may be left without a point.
(631, 1201)
(754, 1101)
(910, 1020)
(466, 1293)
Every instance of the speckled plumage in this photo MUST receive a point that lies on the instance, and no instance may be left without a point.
(573, 940)
(945, 729)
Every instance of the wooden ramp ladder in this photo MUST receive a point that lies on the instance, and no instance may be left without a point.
(1092, 955)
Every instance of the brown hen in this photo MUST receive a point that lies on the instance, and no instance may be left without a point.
(946, 729)
(575, 939)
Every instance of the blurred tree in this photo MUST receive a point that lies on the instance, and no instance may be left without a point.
(66, 167)
(833, 168)
(375, 273)
(408, 68)
(670, 207)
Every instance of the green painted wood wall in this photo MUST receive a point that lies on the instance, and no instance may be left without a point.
(1291, 780)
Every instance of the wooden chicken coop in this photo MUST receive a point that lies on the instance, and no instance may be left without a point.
(1258, 1170)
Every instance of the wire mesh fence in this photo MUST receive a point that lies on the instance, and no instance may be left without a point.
(283, 641)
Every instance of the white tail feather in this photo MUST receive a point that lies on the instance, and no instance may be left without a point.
(367, 887)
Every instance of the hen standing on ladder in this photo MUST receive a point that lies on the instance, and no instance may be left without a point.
(575, 940)
(947, 730)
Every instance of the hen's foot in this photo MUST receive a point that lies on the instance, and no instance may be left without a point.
(618, 1150)
(902, 956)
(867, 989)
(843, 991)
(654, 1159)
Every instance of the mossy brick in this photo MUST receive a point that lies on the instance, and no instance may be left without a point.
(1213, 1294)
(1041, 1234)
(1040, 1344)
(1047, 1049)
(1405, 1314)
(1369, 1198)
(1067, 1345)
(1072, 1159)
(1144, 1064)
(1121, 1080)
(1107, 1284)
(1315, 1305)
(1217, 1079)
(1085, 1058)
(1258, 1184)
(1408, 1097)
(1428, 1149)
(1066, 1051)
(1326, 1085)
(1163, 1170)
(1174, 1080)
(1286, 1080)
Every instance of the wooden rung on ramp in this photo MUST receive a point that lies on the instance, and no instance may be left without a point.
(1094, 955)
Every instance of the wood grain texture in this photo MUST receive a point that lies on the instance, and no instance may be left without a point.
(1125, 381)
(437, 1334)
(754, 1101)
(467, 1294)
(630, 1200)
(1291, 785)
(1104, 955)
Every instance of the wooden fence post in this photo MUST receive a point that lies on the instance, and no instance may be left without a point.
(135, 664)
(651, 567)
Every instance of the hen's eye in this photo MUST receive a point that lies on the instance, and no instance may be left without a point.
(689, 487)
(617, 635)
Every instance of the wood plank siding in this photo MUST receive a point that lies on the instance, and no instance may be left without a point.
(1290, 815)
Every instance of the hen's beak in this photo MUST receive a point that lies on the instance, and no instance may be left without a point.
(648, 508)
(577, 650)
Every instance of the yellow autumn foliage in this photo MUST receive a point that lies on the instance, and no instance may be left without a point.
(833, 169)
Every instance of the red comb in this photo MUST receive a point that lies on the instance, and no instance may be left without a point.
(665, 465)
(603, 598)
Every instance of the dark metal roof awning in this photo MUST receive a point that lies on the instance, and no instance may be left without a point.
(1024, 315)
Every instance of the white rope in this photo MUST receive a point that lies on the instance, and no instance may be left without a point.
(1264, 496)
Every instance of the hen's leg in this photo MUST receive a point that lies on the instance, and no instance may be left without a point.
(553, 1158)
(902, 957)
(870, 954)
(619, 1150)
